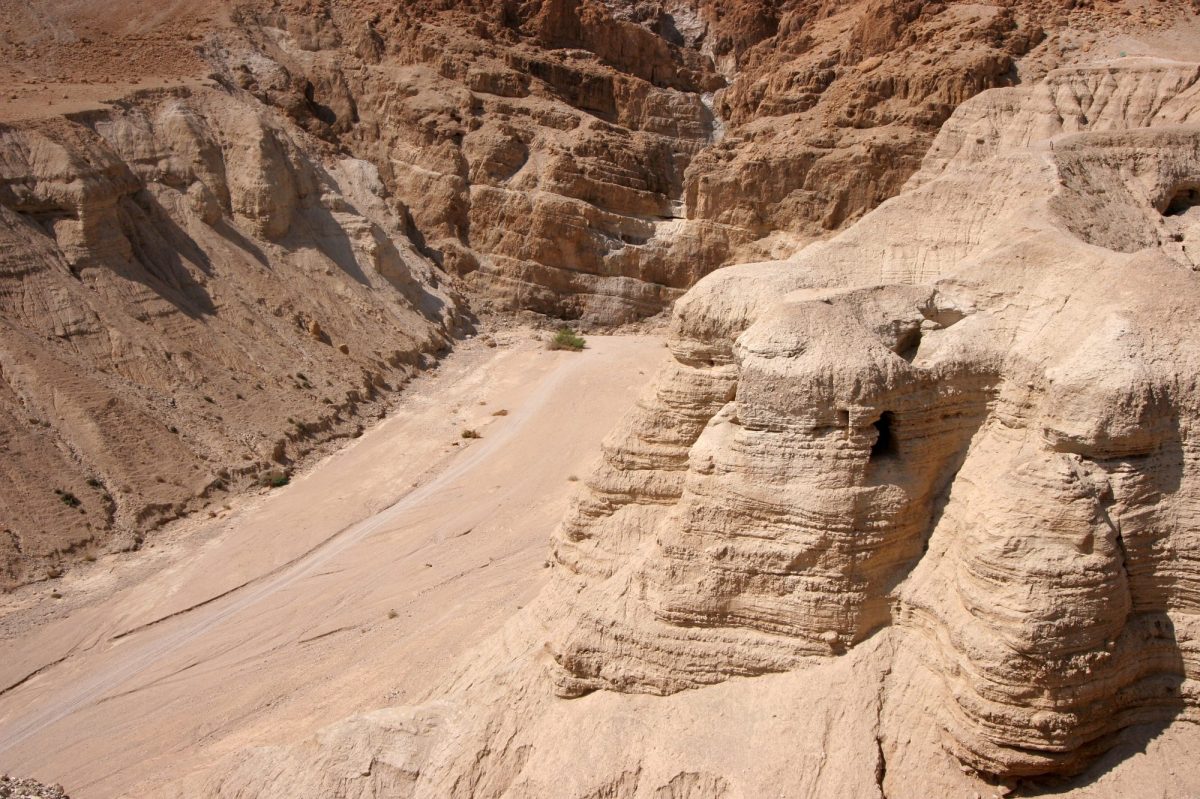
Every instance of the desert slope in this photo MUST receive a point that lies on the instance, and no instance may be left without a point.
(914, 513)
(190, 302)
(205, 202)
(292, 611)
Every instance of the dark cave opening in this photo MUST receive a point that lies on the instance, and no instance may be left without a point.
(1183, 200)
(885, 441)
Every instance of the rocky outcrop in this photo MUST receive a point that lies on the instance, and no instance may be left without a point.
(911, 514)
(589, 160)
(163, 268)
(593, 160)
(11, 788)
(980, 449)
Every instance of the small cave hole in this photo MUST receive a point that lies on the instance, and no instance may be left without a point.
(885, 440)
(909, 344)
(1183, 200)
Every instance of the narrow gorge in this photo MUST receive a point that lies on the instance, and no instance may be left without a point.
(911, 508)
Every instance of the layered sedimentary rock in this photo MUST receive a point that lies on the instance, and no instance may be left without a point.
(588, 159)
(593, 159)
(189, 302)
(912, 514)
(990, 453)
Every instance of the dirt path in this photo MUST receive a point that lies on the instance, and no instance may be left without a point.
(313, 604)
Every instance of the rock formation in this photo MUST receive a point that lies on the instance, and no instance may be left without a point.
(578, 158)
(911, 514)
(162, 268)
(592, 159)
(29, 789)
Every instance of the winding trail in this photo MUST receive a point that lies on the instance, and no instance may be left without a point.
(199, 658)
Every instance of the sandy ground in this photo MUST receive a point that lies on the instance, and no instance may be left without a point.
(354, 587)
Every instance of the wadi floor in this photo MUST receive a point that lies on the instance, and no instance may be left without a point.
(354, 587)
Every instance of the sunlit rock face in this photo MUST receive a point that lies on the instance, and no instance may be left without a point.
(594, 159)
(189, 299)
(987, 449)
(912, 513)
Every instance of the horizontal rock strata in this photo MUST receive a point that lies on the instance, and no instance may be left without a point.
(924, 495)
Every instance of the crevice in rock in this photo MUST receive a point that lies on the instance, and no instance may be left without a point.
(886, 445)
(880, 765)
(909, 345)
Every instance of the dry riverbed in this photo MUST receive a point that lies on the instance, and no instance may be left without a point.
(354, 587)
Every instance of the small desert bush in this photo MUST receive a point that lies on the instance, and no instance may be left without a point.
(471, 434)
(567, 339)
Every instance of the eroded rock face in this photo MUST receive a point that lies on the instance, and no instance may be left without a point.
(930, 486)
(162, 268)
(989, 458)
(588, 159)
(595, 159)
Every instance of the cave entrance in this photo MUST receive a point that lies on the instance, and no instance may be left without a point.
(1183, 200)
(885, 440)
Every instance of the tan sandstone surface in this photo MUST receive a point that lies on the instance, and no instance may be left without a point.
(204, 203)
(912, 514)
(908, 512)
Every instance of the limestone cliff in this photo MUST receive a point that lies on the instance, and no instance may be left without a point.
(912, 514)
(592, 159)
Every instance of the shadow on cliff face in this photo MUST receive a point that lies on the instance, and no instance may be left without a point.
(157, 257)
(239, 240)
(161, 253)
(1128, 743)
(323, 231)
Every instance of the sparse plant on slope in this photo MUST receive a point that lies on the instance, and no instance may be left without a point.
(567, 339)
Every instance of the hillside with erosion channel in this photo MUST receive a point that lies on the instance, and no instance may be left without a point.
(667, 399)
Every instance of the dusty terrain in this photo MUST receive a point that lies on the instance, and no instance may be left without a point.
(191, 304)
(230, 230)
(293, 610)
(916, 510)
(909, 509)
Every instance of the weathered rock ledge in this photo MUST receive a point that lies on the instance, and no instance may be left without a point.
(912, 514)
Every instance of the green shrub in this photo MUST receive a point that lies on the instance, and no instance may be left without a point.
(567, 339)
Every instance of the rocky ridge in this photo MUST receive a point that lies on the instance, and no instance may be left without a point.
(582, 159)
(913, 511)
(594, 160)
